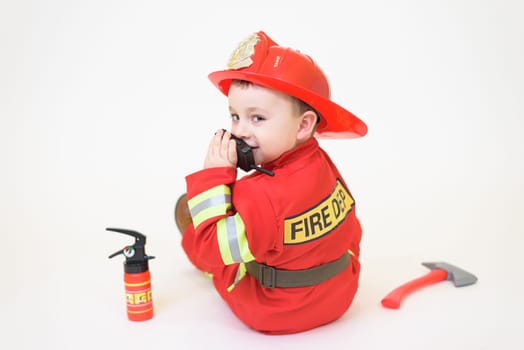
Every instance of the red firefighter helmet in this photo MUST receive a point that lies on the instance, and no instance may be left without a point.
(260, 60)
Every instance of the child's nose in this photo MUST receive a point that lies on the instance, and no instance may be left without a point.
(240, 130)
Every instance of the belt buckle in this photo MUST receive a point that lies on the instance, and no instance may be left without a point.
(267, 276)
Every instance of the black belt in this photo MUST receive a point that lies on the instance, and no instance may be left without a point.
(271, 277)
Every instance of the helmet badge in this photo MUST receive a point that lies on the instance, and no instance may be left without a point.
(241, 57)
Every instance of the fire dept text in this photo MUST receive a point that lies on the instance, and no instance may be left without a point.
(321, 219)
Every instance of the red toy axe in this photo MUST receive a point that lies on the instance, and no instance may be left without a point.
(440, 271)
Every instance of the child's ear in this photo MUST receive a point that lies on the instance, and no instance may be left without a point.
(307, 125)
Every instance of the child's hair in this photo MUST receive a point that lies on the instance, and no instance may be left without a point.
(302, 106)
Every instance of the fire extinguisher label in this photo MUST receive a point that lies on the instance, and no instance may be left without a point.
(139, 297)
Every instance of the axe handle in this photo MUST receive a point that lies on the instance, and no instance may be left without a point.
(394, 298)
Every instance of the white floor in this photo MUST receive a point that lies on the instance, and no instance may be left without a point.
(105, 107)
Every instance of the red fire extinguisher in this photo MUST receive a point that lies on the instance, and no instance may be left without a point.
(137, 278)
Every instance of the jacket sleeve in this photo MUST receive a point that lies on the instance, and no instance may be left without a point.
(220, 237)
(223, 234)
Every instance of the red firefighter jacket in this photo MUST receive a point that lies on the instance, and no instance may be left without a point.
(302, 217)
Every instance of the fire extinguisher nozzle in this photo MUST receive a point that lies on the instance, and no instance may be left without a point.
(116, 253)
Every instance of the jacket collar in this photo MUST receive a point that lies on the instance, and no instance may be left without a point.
(302, 151)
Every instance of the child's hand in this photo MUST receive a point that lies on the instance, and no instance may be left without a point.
(222, 151)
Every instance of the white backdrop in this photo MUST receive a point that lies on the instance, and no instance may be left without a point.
(105, 106)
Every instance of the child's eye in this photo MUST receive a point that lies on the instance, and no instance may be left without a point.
(257, 118)
(234, 117)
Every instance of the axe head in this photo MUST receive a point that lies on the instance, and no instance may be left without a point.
(459, 277)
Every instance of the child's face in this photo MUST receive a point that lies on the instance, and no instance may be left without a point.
(266, 119)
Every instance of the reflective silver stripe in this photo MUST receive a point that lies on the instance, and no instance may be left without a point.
(210, 202)
(241, 272)
(234, 248)
(232, 240)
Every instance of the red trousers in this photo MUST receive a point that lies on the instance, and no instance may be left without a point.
(280, 310)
